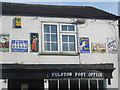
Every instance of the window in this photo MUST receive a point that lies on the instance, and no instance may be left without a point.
(68, 28)
(53, 84)
(68, 43)
(68, 36)
(50, 37)
(76, 84)
(53, 31)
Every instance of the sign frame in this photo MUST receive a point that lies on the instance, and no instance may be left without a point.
(34, 42)
(112, 45)
(84, 45)
(98, 47)
(18, 22)
(4, 42)
(19, 45)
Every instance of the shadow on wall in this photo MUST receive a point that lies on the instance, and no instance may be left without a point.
(13, 23)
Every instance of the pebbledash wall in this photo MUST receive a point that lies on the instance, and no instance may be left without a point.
(97, 30)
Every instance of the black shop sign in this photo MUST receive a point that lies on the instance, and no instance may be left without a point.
(77, 74)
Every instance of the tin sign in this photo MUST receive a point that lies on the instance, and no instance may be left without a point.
(19, 46)
(84, 45)
(34, 42)
(4, 43)
(98, 47)
(112, 45)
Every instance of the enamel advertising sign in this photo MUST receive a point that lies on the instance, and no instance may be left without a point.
(18, 22)
(84, 45)
(112, 45)
(98, 48)
(4, 43)
(34, 42)
(19, 46)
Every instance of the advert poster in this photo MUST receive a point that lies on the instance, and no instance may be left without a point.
(19, 46)
(98, 48)
(18, 21)
(34, 42)
(84, 45)
(4, 43)
(112, 45)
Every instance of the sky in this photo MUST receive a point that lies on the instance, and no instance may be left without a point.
(110, 6)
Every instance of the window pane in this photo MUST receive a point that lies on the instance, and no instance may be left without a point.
(64, 28)
(53, 28)
(63, 85)
(101, 85)
(74, 85)
(53, 85)
(47, 37)
(54, 47)
(83, 84)
(72, 46)
(47, 46)
(93, 84)
(71, 38)
(53, 37)
(46, 29)
(65, 47)
(64, 38)
(71, 28)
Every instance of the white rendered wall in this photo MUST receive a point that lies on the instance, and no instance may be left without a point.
(97, 30)
(119, 62)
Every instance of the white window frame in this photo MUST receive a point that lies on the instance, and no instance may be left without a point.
(75, 43)
(68, 31)
(45, 23)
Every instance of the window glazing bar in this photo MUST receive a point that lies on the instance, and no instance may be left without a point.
(68, 84)
(58, 83)
(88, 84)
(97, 84)
(79, 83)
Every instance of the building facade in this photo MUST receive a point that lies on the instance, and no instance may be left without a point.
(46, 47)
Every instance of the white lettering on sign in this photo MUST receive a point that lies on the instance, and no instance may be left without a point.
(80, 74)
(65, 74)
(77, 74)
(95, 74)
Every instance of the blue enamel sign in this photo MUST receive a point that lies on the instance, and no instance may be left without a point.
(19, 46)
(84, 45)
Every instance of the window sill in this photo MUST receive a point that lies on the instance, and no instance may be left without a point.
(59, 54)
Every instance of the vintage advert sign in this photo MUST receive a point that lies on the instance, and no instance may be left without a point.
(4, 42)
(98, 48)
(34, 42)
(84, 45)
(18, 22)
(19, 46)
(112, 45)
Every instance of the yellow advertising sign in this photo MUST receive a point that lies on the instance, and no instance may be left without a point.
(18, 22)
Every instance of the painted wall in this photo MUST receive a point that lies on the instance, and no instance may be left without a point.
(119, 46)
(97, 30)
(119, 59)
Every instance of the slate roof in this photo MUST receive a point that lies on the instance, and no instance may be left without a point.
(55, 11)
